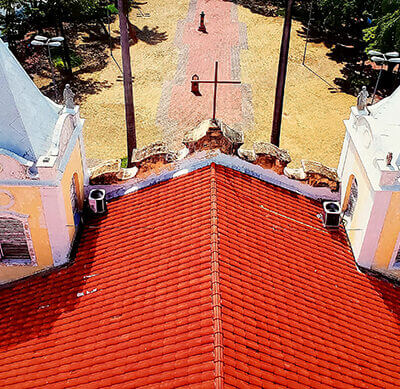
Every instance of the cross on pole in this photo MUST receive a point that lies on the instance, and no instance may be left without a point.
(196, 82)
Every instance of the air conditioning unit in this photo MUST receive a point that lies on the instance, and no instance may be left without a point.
(332, 214)
(97, 200)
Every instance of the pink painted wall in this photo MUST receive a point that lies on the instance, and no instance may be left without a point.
(373, 233)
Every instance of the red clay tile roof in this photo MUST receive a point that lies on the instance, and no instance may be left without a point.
(213, 278)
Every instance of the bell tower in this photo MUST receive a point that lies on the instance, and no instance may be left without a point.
(42, 175)
(369, 168)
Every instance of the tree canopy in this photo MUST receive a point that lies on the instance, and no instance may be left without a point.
(369, 24)
(384, 32)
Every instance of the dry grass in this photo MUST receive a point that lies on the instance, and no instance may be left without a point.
(312, 126)
(104, 131)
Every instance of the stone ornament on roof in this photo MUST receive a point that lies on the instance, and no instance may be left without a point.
(266, 155)
(319, 175)
(68, 96)
(362, 99)
(210, 134)
(152, 150)
(313, 167)
(247, 154)
(152, 158)
(270, 149)
(105, 172)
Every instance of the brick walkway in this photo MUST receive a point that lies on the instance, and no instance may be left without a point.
(179, 109)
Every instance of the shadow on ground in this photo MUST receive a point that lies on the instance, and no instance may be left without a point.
(260, 7)
(356, 71)
(151, 36)
(81, 88)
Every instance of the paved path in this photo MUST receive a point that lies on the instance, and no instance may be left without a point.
(180, 110)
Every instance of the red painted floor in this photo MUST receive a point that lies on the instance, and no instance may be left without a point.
(185, 109)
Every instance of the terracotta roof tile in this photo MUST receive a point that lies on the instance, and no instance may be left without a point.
(304, 281)
(211, 278)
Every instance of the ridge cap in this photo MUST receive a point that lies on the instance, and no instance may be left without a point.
(215, 284)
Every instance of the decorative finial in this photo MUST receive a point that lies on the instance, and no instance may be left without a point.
(68, 97)
(389, 158)
(362, 99)
(202, 26)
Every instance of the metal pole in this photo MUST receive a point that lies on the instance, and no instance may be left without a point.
(52, 71)
(282, 68)
(127, 77)
(376, 85)
(308, 33)
(215, 90)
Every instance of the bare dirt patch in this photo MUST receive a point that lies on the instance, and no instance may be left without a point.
(154, 60)
(312, 125)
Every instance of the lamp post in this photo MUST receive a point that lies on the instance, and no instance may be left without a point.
(382, 59)
(49, 42)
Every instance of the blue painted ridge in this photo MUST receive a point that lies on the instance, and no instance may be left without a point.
(18, 158)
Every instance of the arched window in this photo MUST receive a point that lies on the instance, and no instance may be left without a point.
(351, 197)
(13, 242)
(73, 196)
(396, 262)
(74, 193)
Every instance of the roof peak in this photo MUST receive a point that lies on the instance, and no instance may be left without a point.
(387, 109)
(28, 118)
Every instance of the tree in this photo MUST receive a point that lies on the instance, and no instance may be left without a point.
(344, 20)
(384, 33)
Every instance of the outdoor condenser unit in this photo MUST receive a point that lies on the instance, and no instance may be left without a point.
(332, 214)
(97, 200)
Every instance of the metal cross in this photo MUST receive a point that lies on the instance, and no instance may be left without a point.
(215, 82)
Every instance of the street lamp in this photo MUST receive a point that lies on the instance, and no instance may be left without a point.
(382, 59)
(40, 40)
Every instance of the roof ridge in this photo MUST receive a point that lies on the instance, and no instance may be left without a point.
(215, 285)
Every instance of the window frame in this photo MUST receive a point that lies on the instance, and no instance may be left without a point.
(28, 238)
(395, 254)
(353, 195)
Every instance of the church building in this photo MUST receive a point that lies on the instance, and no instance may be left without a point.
(42, 175)
(219, 269)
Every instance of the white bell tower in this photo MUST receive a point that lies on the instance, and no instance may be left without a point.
(369, 169)
(42, 175)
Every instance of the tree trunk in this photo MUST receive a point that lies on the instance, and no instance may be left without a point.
(66, 48)
(127, 76)
(280, 83)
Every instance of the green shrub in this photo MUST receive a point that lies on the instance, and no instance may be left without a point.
(124, 162)
(58, 60)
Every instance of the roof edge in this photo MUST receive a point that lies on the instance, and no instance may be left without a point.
(206, 158)
(21, 160)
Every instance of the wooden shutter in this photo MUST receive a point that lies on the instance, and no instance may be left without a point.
(13, 240)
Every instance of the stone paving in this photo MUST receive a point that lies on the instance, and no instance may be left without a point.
(179, 109)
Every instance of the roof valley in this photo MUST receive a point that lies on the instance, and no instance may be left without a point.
(215, 285)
